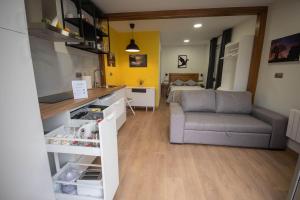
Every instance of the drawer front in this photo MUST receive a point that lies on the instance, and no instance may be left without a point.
(119, 107)
(121, 120)
(108, 111)
(109, 156)
(107, 101)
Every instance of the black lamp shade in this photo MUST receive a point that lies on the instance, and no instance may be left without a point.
(132, 47)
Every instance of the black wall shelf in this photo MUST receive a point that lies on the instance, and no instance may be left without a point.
(86, 48)
(88, 7)
(87, 30)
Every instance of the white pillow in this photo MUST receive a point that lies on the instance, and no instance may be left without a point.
(178, 83)
(190, 83)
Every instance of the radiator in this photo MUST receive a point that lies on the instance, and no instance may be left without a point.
(293, 130)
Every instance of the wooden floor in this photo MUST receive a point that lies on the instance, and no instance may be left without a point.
(153, 169)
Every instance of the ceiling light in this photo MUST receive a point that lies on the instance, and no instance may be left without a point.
(197, 25)
(186, 41)
(132, 47)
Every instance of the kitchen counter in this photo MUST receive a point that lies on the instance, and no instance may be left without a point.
(50, 110)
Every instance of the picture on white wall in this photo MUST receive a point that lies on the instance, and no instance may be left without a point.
(285, 49)
(182, 61)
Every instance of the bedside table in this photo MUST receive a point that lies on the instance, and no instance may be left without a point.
(164, 89)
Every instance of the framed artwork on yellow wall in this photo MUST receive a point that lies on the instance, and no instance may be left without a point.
(138, 60)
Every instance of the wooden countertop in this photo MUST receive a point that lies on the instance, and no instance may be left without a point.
(50, 110)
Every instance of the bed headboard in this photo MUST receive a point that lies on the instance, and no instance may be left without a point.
(183, 76)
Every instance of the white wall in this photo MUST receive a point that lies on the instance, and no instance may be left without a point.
(55, 66)
(25, 172)
(245, 28)
(279, 94)
(197, 55)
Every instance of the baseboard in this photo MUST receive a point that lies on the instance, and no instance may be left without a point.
(293, 146)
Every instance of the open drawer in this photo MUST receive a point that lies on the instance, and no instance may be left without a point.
(69, 140)
(79, 181)
(88, 113)
(84, 140)
(97, 110)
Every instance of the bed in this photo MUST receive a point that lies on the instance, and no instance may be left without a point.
(175, 90)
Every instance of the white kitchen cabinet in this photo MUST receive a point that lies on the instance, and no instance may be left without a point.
(120, 108)
(13, 16)
(22, 144)
(117, 101)
(141, 96)
(64, 140)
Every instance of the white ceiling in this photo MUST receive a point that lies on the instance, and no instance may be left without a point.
(114, 6)
(174, 31)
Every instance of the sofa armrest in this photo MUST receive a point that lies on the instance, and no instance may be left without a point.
(278, 123)
(177, 120)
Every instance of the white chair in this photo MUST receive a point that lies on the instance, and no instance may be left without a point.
(129, 101)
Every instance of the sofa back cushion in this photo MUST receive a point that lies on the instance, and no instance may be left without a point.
(233, 102)
(198, 100)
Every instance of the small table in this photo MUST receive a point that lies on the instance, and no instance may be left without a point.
(164, 89)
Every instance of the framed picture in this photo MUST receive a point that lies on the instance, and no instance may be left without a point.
(182, 61)
(138, 60)
(111, 60)
(285, 49)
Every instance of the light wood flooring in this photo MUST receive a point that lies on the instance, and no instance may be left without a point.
(153, 169)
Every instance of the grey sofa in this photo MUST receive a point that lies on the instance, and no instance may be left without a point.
(225, 118)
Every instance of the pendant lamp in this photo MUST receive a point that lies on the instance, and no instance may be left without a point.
(132, 47)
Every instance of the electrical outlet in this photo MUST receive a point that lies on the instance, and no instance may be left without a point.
(278, 75)
(78, 75)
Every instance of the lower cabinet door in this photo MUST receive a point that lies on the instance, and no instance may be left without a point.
(109, 156)
(119, 107)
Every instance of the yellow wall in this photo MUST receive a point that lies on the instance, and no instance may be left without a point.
(122, 74)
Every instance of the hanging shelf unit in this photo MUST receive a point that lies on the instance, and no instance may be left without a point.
(93, 36)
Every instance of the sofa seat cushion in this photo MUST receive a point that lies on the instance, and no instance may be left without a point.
(225, 122)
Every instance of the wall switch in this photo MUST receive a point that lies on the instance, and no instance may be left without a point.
(278, 75)
(78, 75)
